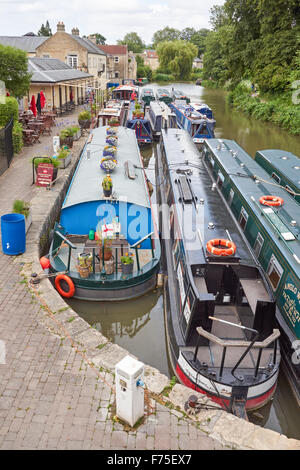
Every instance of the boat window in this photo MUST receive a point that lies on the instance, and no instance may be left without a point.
(274, 272)
(258, 244)
(276, 178)
(220, 180)
(230, 197)
(243, 218)
(290, 191)
(176, 253)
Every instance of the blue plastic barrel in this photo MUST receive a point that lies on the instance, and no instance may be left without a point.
(13, 234)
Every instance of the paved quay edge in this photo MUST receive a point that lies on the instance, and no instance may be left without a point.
(102, 355)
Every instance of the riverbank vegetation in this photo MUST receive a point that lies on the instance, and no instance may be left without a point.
(253, 50)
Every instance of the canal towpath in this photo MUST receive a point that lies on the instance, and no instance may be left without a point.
(57, 380)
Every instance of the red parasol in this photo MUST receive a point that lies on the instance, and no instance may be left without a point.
(43, 100)
(71, 95)
(32, 106)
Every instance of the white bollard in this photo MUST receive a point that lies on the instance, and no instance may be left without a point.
(130, 390)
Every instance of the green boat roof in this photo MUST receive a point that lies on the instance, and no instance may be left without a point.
(253, 182)
(86, 185)
(286, 163)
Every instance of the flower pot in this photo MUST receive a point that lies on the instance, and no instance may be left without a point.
(67, 141)
(84, 271)
(127, 268)
(107, 192)
(84, 124)
(114, 124)
(109, 266)
(107, 254)
(77, 135)
(64, 162)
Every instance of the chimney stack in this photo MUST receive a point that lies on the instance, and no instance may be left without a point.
(75, 32)
(60, 27)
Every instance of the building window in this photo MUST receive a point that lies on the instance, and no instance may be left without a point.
(274, 272)
(276, 178)
(116, 59)
(258, 244)
(116, 74)
(243, 218)
(73, 61)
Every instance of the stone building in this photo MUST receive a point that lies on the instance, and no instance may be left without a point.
(121, 63)
(151, 59)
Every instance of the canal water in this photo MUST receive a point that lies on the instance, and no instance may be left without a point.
(138, 325)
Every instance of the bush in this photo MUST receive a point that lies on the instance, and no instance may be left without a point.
(84, 116)
(163, 77)
(21, 207)
(8, 109)
(17, 137)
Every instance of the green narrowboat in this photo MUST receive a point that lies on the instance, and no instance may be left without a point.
(162, 94)
(284, 167)
(179, 95)
(147, 95)
(270, 220)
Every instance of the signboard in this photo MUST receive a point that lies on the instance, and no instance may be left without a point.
(44, 174)
(289, 303)
(56, 143)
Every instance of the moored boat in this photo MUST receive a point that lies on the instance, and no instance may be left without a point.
(137, 121)
(179, 95)
(162, 94)
(161, 117)
(125, 93)
(203, 109)
(106, 245)
(284, 167)
(147, 95)
(219, 306)
(198, 126)
(270, 220)
(114, 110)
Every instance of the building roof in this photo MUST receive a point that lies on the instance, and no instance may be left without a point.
(47, 70)
(26, 43)
(87, 44)
(151, 54)
(114, 49)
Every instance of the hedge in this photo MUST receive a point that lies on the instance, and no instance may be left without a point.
(8, 109)
(17, 136)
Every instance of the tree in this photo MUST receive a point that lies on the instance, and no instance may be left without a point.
(133, 42)
(199, 38)
(14, 70)
(166, 34)
(45, 30)
(99, 38)
(176, 57)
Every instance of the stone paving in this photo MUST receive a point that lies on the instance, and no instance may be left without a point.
(57, 385)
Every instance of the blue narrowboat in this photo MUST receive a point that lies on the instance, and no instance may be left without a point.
(219, 305)
(161, 117)
(106, 245)
(284, 167)
(270, 220)
(140, 124)
(204, 109)
(198, 126)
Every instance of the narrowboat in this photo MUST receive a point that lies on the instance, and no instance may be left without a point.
(162, 94)
(106, 245)
(161, 117)
(179, 95)
(124, 93)
(270, 220)
(284, 167)
(219, 305)
(142, 81)
(146, 96)
(198, 126)
(204, 109)
(114, 109)
(137, 121)
(128, 81)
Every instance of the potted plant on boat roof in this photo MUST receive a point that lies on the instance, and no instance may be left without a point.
(138, 113)
(112, 140)
(108, 164)
(23, 207)
(111, 131)
(107, 186)
(84, 119)
(109, 150)
(127, 263)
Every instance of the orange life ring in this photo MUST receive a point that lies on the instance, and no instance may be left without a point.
(229, 250)
(271, 201)
(70, 283)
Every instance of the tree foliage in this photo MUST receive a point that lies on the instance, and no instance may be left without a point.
(176, 57)
(99, 38)
(45, 30)
(165, 34)
(14, 70)
(133, 42)
(256, 40)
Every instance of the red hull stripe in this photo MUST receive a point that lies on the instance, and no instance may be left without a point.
(253, 403)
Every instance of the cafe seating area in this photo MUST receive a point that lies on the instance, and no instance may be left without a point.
(34, 127)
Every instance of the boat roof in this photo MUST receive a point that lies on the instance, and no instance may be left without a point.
(160, 108)
(183, 155)
(86, 183)
(286, 162)
(147, 91)
(163, 91)
(190, 113)
(126, 87)
(253, 182)
(199, 105)
(112, 107)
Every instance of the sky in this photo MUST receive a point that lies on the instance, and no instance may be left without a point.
(113, 19)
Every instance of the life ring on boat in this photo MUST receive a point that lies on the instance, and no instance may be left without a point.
(228, 250)
(62, 277)
(271, 201)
